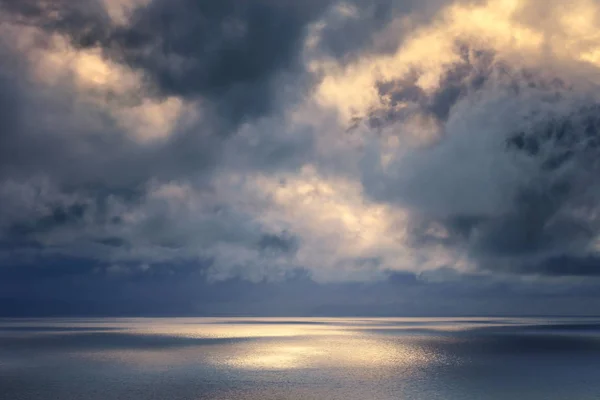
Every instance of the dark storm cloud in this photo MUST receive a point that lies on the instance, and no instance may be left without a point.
(516, 185)
(284, 243)
(81, 17)
(361, 28)
(97, 157)
(459, 79)
(566, 265)
(229, 52)
(184, 291)
(69, 171)
(59, 216)
(348, 38)
(113, 241)
(95, 221)
(62, 175)
(47, 268)
(557, 211)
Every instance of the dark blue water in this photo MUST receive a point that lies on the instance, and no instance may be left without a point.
(258, 358)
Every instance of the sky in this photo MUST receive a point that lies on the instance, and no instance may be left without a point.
(299, 157)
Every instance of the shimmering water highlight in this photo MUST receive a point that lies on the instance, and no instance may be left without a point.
(300, 358)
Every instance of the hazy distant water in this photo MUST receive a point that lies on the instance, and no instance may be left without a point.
(263, 358)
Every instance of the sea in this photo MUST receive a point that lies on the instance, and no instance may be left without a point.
(300, 358)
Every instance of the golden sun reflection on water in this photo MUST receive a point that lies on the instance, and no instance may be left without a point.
(219, 330)
(276, 357)
(271, 345)
(224, 359)
(326, 352)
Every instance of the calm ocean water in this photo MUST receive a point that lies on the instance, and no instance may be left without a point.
(312, 358)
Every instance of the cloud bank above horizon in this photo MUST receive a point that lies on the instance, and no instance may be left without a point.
(350, 140)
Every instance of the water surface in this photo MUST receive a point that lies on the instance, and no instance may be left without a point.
(300, 358)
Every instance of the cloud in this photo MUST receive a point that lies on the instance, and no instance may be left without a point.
(423, 141)
(228, 53)
(498, 167)
(509, 179)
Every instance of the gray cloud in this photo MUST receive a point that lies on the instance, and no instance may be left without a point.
(510, 181)
(284, 243)
(69, 172)
(227, 52)
(458, 80)
(167, 290)
(568, 265)
(511, 178)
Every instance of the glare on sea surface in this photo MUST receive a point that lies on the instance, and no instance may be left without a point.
(301, 358)
(269, 345)
(331, 352)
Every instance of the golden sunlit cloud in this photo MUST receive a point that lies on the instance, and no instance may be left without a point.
(342, 230)
(498, 25)
(111, 87)
(310, 173)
